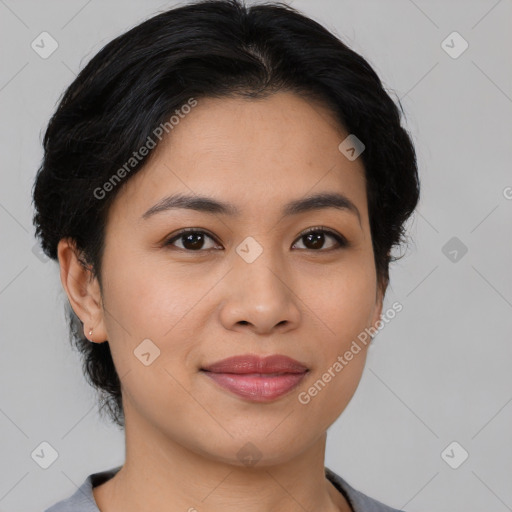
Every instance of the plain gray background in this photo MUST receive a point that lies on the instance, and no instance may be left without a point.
(438, 373)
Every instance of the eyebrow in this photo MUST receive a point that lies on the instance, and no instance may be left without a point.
(215, 207)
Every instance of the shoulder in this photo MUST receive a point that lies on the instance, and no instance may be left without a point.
(82, 500)
(360, 502)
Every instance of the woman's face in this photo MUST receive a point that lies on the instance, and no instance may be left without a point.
(248, 283)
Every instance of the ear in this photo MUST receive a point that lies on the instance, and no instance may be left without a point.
(379, 299)
(82, 289)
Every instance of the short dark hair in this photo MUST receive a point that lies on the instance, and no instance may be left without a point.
(209, 48)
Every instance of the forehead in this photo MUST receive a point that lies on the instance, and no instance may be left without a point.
(252, 153)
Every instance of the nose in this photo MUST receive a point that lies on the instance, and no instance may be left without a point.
(259, 295)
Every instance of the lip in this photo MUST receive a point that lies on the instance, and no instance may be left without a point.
(258, 379)
(250, 363)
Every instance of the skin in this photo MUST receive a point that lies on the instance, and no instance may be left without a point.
(198, 306)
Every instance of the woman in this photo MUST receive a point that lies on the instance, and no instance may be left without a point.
(222, 186)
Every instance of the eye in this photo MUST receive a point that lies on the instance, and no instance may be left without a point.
(315, 238)
(193, 239)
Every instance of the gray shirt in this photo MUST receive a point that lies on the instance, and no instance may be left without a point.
(83, 499)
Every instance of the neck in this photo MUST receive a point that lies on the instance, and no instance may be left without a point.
(161, 475)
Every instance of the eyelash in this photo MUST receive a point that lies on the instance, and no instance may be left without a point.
(342, 241)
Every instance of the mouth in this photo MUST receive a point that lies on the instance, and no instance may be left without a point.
(257, 379)
(257, 387)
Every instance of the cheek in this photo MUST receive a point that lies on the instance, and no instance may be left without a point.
(345, 305)
(343, 299)
(142, 303)
(148, 313)
(145, 297)
(328, 393)
(171, 305)
(352, 306)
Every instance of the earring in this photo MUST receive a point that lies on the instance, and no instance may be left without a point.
(90, 334)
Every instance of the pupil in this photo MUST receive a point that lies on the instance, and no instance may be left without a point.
(190, 238)
(315, 238)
